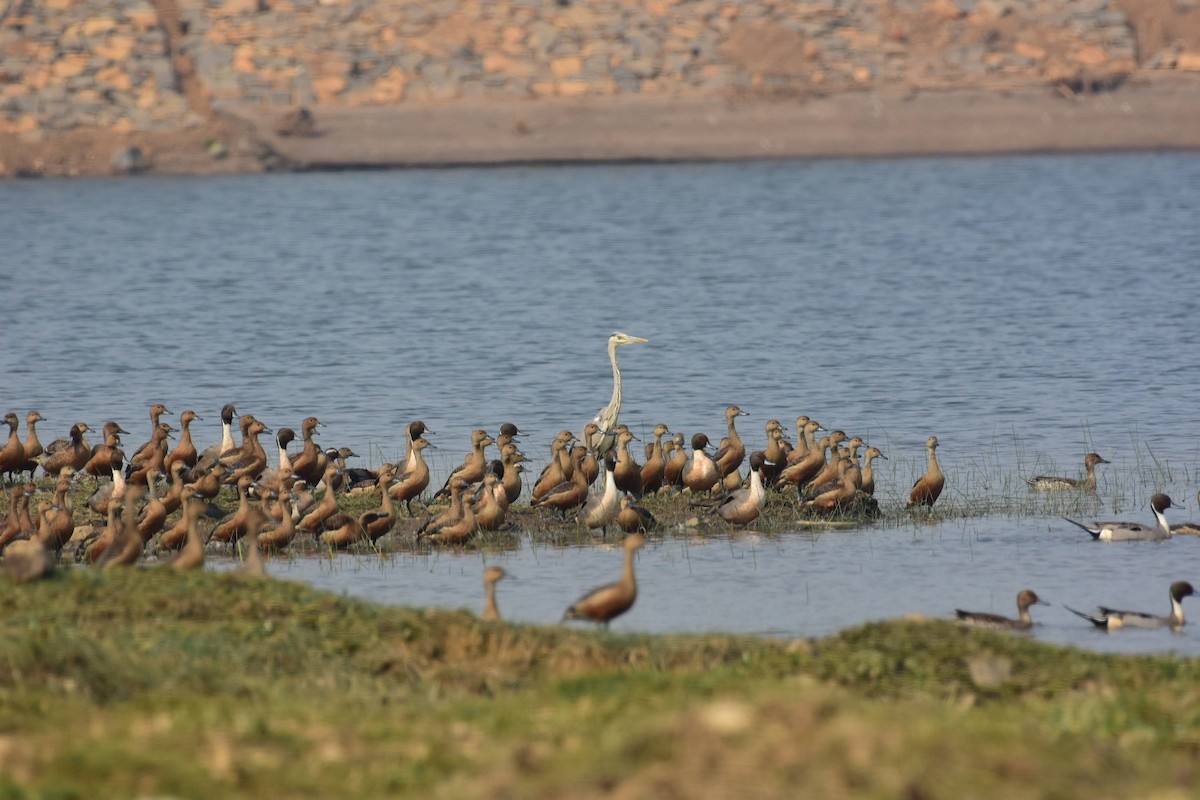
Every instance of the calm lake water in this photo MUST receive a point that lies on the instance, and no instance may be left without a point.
(1024, 310)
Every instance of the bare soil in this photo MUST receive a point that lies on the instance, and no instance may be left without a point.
(1162, 113)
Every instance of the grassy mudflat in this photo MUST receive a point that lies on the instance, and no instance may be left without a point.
(142, 683)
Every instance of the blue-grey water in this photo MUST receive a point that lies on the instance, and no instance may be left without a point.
(1025, 310)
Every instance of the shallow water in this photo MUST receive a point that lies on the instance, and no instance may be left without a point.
(1025, 310)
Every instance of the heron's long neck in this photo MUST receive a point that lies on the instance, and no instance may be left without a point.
(616, 395)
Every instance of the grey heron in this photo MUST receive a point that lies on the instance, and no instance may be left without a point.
(603, 440)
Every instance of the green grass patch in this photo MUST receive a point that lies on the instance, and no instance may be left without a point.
(146, 683)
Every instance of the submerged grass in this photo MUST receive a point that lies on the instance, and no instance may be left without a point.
(147, 683)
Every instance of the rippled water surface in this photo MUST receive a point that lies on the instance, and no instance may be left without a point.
(1024, 310)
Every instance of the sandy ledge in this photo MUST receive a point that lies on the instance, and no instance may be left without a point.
(1145, 114)
(1163, 115)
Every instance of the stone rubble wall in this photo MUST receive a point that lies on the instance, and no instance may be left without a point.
(66, 63)
(350, 52)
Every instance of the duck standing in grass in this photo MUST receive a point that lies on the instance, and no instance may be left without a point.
(928, 488)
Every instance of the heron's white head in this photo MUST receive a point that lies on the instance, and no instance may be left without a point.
(619, 338)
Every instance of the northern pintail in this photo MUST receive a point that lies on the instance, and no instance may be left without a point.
(743, 506)
(1110, 618)
(1052, 483)
(608, 602)
(601, 509)
(1025, 599)
(1129, 531)
(1187, 527)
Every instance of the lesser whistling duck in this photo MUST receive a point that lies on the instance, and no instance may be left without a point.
(805, 438)
(473, 467)
(1130, 531)
(492, 576)
(99, 464)
(656, 462)
(154, 515)
(310, 463)
(280, 534)
(451, 513)
(325, 508)
(491, 502)
(868, 471)
(12, 523)
(232, 527)
(1051, 483)
(457, 531)
(126, 548)
(384, 518)
(701, 474)
(633, 518)
(1025, 599)
(604, 439)
(59, 518)
(142, 453)
(555, 472)
(627, 472)
(343, 530)
(775, 454)
(208, 484)
(191, 557)
(27, 560)
(185, 451)
(1112, 618)
(154, 456)
(172, 499)
(800, 472)
(928, 488)
(27, 526)
(72, 452)
(841, 495)
(731, 456)
(512, 460)
(608, 602)
(568, 494)
(590, 464)
(252, 459)
(12, 455)
(743, 506)
(677, 460)
(415, 477)
(32, 445)
(252, 558)
(93, 549)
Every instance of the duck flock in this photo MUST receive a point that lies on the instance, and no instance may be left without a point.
(156, 504)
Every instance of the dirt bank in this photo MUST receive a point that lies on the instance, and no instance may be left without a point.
(1163, 114)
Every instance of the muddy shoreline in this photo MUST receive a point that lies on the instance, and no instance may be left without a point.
(1141, 115)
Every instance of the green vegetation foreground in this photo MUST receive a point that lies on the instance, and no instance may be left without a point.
(150, 683)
